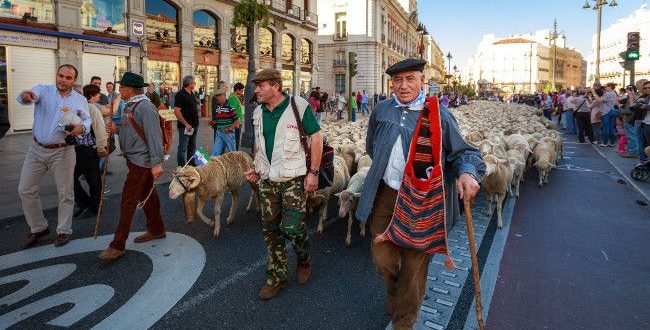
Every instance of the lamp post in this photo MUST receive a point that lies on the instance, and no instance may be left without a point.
(598, 6)
(456, 73)
(448, 75)
(552, 38)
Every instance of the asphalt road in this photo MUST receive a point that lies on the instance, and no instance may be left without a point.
(577, 252)
(345, 291)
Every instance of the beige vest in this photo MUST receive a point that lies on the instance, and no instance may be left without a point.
(288, 160)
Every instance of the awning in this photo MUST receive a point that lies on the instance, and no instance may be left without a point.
(29, 29)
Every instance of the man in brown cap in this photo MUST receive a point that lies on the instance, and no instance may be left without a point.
(286, 177)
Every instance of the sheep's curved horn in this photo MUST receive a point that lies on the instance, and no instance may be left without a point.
(193, 178)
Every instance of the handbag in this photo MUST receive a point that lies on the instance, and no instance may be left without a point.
(418, 221)
(326, 169)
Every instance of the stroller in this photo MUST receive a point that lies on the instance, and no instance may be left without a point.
(641, 171)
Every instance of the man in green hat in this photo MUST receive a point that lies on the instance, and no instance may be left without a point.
(141, 143)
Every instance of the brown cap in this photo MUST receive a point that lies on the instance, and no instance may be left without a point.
(266, 75)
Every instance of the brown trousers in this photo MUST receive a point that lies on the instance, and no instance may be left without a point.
(405, 284)
(136, 188)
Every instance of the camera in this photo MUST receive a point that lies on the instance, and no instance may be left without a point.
(70, 140)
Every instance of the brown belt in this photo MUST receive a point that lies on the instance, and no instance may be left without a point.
(50, 146)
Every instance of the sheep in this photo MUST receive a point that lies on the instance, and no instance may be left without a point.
(322, 197)
(364, 161)
(518, 162)
(221, 174)
(496, 180)
(544, 156)
(348, 200)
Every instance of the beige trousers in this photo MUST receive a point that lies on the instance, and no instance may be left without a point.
(38, 162)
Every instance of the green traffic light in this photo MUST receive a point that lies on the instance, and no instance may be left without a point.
(633, 55)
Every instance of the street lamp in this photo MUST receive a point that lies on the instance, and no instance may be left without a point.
(448, 75)
(598, 6)
(455, 78)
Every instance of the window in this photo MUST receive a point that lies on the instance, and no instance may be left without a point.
(238, 39)
(206, 29)
(42, 10)
(287, 48)
(162, 21)
(305, 51)
(340, 83)
(341, 29)
(104, 15)
(266, 43)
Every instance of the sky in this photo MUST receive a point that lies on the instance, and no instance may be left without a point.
(458, 26)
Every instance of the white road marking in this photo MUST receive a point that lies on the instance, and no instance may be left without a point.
(605, 255)
(38, 280)
(177, 262)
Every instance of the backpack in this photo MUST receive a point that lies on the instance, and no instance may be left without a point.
(140, 131)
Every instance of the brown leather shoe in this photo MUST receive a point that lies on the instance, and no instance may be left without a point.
(269, 291)
(148, 237)
(111, 254)
(302, 273)
(61, 240)
(390, 306)
(33, 238)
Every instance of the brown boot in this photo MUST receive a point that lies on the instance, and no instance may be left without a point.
(148, 237)
(111, 254)
(269, 291)
(61, 240)
(33, 238)
(302, 273)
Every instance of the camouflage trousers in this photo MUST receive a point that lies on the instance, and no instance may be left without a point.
(284, 205)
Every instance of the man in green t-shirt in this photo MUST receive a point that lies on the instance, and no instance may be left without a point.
(284, 177)
(235, 101)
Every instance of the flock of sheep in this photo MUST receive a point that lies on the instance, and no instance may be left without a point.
(511, 137)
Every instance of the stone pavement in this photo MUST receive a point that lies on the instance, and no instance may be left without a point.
(13, 148)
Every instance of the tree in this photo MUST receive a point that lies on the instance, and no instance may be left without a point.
(250, 14)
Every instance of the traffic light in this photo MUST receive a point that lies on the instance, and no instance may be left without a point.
(352, 64)
(633, 46)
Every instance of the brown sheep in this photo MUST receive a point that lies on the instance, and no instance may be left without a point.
(221, 174)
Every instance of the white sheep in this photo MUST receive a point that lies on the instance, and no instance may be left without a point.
(321, 197)
(348, 200)
(496, 182)
(544, 156)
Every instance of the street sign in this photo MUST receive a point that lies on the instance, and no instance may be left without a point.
(434, 88)
(138, 28)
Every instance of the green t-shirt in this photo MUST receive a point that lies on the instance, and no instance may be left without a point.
(233, 101)
(270, 121)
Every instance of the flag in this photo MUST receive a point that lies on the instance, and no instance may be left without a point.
(201, 157)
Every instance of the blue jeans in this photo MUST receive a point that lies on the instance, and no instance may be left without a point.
(570, 122)
(632, 139)
(364, 108)
(644, 141)
(223, 142)
(319, 117)
(609, 130)
(186, 146)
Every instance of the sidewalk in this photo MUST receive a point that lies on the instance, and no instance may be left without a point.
(624, 167)
(13, 148)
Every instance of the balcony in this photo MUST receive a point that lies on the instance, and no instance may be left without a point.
(340, 63)
(340, 36)
(284, 8)
(310, 18)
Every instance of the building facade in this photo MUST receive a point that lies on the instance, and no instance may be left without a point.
(435, 69)
(613, 41)
(380, 32)
(163, 40)
(526, 64)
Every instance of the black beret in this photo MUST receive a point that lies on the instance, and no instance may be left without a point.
(409, 64)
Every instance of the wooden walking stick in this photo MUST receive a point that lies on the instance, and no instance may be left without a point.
(472, 248)
(110, 136)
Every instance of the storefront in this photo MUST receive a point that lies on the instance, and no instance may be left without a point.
(106, 61)
(287, 80)
(27, 60)
(207, 54)
(163, 68)
(305, 82)
(239, 68)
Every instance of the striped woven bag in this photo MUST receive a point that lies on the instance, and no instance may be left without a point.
(418, 220)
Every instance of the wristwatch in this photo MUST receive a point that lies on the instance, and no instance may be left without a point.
(314, 172)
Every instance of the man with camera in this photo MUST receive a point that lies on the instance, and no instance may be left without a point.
(52, 150)
(627, 99)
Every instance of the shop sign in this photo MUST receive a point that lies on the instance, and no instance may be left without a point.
(164, 54)
(106, 49)
(28, 40)
(138, 28)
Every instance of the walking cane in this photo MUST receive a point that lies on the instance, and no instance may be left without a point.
(472, 248)
(110, 135)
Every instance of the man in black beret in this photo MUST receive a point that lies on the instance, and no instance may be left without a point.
(393, 124)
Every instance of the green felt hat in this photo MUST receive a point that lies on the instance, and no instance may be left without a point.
(133, 80)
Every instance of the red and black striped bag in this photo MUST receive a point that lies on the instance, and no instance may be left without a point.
(418, 220)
